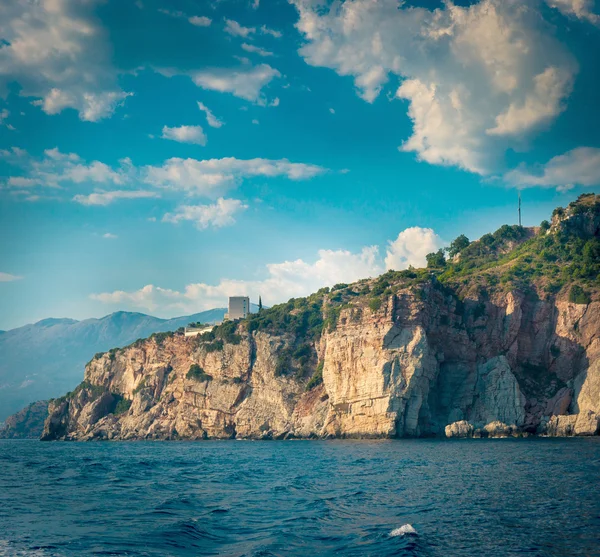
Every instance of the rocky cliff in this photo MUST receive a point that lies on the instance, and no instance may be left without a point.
(28, 423)
(456, 350)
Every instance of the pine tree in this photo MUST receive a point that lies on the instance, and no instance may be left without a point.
(259, 304)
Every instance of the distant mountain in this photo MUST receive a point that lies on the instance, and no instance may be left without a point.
(46, 359)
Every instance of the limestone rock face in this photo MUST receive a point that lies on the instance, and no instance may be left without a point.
(422, 364)
(460, 429)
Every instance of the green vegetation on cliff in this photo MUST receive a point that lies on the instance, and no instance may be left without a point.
(557, 258)
(546, 259)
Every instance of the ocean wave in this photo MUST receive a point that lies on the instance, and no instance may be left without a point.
(404, 530)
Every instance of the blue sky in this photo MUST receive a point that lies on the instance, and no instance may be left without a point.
(159, 156)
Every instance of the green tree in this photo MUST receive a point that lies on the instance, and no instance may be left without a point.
(436, 259)
(458, 244)
(259, 304)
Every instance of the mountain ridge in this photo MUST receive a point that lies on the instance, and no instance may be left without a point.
(43, 359)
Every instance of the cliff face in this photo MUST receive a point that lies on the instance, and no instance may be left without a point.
(410, 368)
(503, 340)
(28, 423)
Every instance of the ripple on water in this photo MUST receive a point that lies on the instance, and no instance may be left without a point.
(316, 498)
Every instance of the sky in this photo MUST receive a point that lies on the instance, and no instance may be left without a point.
(159, 156)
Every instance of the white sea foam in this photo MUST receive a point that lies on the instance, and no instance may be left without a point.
(405, 529)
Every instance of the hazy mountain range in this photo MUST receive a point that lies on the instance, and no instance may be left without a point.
(47, 359)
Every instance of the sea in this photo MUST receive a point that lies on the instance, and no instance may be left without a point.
(450, 498)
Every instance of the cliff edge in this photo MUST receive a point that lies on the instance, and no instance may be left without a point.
(503, 338)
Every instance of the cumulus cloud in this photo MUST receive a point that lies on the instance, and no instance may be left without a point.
(540, 105)
(476, 78)
(410, 248)
(579, 167)
(209, 177)
(56, 168)
(283, 281)
(4, 114)
(245, 83)
(288, 279)
(185, 134)
(219, 214)
(200, 21)
(104, 198)
(256, 50)
(7, 277)
(273, 32)
(236, 30)
(211, 119)
(59, 53)
(213, 176)
(581, 9)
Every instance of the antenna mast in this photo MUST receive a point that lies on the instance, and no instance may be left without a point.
(519, 208)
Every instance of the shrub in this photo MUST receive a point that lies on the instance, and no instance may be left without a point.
(578, 295)
(159, 338)
(227, 332)
(332, 316)
(316, 379)
(339, 286)
(555, 351)
(122, 405)
(374, 304)
(196, 373)
(544, 227)
(215, 346)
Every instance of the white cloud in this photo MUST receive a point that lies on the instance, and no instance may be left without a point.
(216, 215)
(255, 122)
(4, 114)
(104, 198)
(285, 280)
(540, 105)
(59, 53)
(22, 182)
(200, 21)
(209, 177)
(212, 120)
(256, 50)
(185, 134)
(213, 176)
(245, 83)
(477, 79)
(580, 167)
(7, 277)
(266, 31)
(332, 110)
(109, 236)
(581, 9)
(56, 168)
(410, 248)
(235, 29)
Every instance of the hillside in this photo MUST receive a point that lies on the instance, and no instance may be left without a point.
(500, 339)
(28, 423)
(47, 358)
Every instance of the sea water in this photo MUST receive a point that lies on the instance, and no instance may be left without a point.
(536, 497)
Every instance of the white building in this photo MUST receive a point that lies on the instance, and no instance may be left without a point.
(239, 307)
